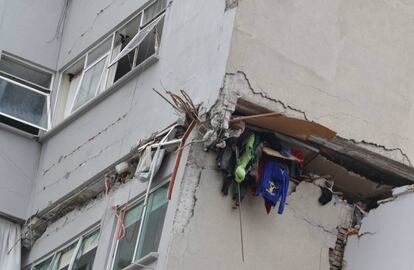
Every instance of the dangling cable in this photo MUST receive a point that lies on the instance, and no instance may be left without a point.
(241, 224)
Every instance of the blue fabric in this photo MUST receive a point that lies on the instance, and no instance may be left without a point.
(274, 184)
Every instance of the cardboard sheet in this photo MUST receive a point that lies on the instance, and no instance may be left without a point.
(296, 128)
(274, 153)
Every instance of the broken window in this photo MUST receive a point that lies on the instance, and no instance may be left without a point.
(122, 37)
(78, 255)
(24, 95)
(138, 39)
(129, 249)
(121, 52)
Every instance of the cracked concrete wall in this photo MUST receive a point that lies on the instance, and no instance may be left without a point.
(344, 64)
(27, 30)
(193, 54)
(206, 229)
(385, 239)
(97, 212)
(18, 165)
(31, 30)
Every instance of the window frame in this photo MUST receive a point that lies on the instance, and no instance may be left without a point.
(111, 36)
(32, 65)
(103, 78)
(47, 95)
(132, 204)
(55, 255)
(29, 86)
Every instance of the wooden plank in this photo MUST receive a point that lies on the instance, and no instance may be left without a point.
(365, 162)
(294, 127)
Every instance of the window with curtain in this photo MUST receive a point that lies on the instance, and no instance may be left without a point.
(86, 253)
(64, 257)
(79, 255)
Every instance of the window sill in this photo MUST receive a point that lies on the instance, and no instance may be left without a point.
(95, 101)
(17, 131)
(143, 262)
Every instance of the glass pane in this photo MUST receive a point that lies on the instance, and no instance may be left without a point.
(25, 72)
(153, 222)
(99, 51)
(126, 246)
(23, 104)
(62, 263)
(138, 38)
(43, 265)
(124, 35)
(91, 81)
(153, 10)
(133, 215)
(87, 251)
(147, 46)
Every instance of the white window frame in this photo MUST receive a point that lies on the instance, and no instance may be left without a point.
(109, 63)
(55, 255)
(24, 62)
(134, 203)
(151, 25)
(104, 76)
(33, 90)
(29, 86)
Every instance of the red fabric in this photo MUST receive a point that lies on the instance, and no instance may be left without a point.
(299, 155)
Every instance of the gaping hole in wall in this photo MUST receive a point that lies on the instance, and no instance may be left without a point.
(359, 174)
(362, 185)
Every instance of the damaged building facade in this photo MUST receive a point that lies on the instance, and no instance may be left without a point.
(106, 164)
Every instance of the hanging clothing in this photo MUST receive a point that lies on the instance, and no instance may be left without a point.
(226, 161)
(249, 155)
(143, 171)
(274, 184)
(299, 155)
(10, 245)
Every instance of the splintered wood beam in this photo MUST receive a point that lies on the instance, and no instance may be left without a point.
(364, 162)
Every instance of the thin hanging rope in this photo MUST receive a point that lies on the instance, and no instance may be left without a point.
(241, 224)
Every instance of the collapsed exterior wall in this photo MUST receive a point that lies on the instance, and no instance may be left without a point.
(206, 229)
(385, 239)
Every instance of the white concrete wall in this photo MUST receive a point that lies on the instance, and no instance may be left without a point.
(385, 239)
(27, 29)
(193, 55)
(206, 232)
(345, 64)
(18, 165)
